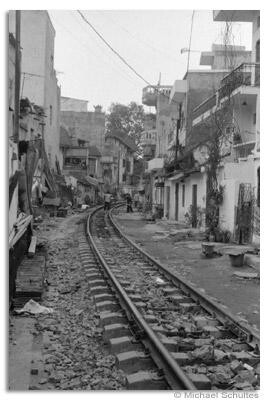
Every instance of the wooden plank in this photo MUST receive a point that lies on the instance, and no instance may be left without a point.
(21, 231)
(32, 247)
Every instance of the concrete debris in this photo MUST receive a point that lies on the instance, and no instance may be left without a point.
(222, 375)
(246, 275)
(204, 353)
(73, 352)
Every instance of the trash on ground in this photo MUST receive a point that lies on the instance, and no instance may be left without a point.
(32, 307)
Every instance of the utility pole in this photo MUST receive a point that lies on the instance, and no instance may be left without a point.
(178, 126)
(17, 75)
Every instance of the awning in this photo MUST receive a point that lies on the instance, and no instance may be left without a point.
(177, 176)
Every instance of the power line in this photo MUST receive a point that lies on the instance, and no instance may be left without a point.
(122, 59)
(145, 43)
(112, 49)
(101, 49)
(81, 43)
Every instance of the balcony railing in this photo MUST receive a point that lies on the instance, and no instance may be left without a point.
(149, 96)
(207, 105)
(243, 150)
(247, 74)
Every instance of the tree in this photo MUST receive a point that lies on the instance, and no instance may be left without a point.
(127, 119)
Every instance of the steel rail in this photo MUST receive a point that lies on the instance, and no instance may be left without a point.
(174, 375)
(243, 331)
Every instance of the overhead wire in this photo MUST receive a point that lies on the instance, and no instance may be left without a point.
(81, 43)
(111, 48)
(74, 15)
(145, 43)
(122, 58)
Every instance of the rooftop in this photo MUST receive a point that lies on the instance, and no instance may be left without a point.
(125, 139)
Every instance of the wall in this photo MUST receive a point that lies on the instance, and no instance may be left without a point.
(120, 152)
(11, 97)
(39, 83)
(198, 179)
(232, 59)
(231, 175)
(51, 99)
(164, 115)
(255, 35)
(33, 43)
(201, 85)
(71, 104)
(255, 38)
(89, 126)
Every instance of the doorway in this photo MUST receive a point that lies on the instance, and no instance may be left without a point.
(194, 206)
(176, 200)
(167, 202)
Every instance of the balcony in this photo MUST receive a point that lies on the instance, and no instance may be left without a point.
(247, 74)
(234, 15)
(178, 91)
(243, 150)
(149, 137)
(150, 94)
(107, 160)
(155, 163)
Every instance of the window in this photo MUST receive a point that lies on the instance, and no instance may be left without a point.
(257, 51)
(254, 118)
(124, 163)
(258, 21)
(183, 195)
(50, 115)
(128, 166)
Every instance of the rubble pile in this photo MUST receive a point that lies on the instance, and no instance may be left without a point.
(213, 356)
(75, 357)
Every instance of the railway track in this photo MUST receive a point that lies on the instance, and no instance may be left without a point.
(163, 332)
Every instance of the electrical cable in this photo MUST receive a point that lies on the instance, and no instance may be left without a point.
(78, 21)
(122, 59)
(126, 76)
(111, 48)
(137, 38)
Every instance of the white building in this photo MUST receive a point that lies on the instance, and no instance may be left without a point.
(239, 171)
(38, 79)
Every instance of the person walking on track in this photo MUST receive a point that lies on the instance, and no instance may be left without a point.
(107, 201)
(129, 203)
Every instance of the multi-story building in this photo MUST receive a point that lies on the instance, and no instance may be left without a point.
(80, 156)
(189, 93)
(84, 125)
(166, 113)
(38, 76)
(118, 162)
(233, 109)
(82, 162)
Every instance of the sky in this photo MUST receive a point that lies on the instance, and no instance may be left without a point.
(149, 40)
